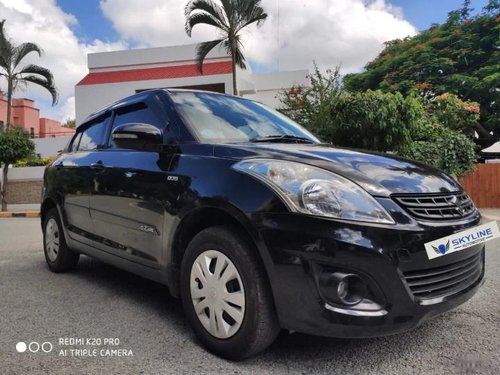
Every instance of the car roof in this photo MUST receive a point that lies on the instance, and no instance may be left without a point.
(144, 94)
(121, 102)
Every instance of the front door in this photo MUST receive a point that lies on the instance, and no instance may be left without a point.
(128, 205)
(130, 196)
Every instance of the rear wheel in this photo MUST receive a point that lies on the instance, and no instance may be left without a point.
(58, 256)
(225, 294)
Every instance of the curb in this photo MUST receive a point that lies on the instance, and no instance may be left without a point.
(20, 214)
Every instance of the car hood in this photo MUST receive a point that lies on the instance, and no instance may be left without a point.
(379, 174)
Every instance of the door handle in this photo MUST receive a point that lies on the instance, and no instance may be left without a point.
(98, 165)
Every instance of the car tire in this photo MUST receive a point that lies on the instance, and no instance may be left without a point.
(58, 256)
(242, 290)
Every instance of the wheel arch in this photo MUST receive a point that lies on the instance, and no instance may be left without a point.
(46, 205)
(202, 218)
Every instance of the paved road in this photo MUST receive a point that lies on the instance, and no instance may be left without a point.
(98, 301)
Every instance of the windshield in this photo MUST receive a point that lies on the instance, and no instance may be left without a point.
(218, 118)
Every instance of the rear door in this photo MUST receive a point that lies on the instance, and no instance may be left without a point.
(75, 171)
(130, 197)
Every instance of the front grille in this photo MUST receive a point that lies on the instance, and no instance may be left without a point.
(437, 206)
(445, 280)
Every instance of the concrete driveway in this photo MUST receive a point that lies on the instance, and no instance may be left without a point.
(123, 314)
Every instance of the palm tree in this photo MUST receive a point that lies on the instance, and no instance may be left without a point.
(11, 57)
(230, 17)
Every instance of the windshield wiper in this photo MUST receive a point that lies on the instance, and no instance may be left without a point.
(282, 138)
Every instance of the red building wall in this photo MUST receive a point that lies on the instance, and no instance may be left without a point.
(3, 109)
(26, 116)
(53, 128)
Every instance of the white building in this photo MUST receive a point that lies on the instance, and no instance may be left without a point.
(115, 75)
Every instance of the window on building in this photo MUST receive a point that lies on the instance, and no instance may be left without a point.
(32, 132)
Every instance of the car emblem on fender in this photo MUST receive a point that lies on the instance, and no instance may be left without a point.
(442, 248)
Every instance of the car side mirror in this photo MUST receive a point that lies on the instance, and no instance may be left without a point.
(137, 136)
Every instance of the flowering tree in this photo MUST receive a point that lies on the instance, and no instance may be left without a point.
(454, 113)
(460, 56)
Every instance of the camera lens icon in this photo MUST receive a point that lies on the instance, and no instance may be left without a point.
(34, 347)
(21, 347)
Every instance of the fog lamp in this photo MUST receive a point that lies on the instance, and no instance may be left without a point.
(342, 288)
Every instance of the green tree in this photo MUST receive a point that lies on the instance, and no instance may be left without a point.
(230, 17)
(492, 7)
(14, 145)
(11, 57)
(460, 56)
(70, 123)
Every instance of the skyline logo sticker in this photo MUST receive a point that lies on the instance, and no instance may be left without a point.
(462, 240)
(442, 249)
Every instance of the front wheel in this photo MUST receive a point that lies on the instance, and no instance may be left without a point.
(58, 256)
(225, 294)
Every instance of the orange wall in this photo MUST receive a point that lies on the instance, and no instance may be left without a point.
(3, 109)
(53, 128)
(27, 116)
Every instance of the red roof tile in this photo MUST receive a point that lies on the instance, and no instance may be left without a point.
(179, 71)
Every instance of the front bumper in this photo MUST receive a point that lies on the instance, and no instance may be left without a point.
(300, 247)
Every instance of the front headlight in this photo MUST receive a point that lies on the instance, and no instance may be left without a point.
(315, 191)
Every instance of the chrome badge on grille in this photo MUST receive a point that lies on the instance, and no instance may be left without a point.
(458, 204)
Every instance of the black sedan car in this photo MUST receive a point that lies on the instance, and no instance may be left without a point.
(255, 224)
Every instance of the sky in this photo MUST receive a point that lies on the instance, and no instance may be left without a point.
(331, 32)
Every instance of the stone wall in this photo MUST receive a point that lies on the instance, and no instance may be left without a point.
(24, 185)
(24, 191)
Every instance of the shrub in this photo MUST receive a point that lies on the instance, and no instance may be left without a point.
(430, 130)
(311, 106)
(445, 149)
(374, 120)
(33, 162)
